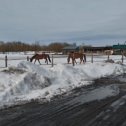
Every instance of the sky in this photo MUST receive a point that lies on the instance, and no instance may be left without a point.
(90, 22)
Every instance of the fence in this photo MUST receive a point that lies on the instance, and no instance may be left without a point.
(90, 58)
(7, 59)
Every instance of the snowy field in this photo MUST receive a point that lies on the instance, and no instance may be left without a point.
(15, 58)
(24, 81)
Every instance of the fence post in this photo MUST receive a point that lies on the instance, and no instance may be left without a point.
(73, 61)
(122, 57)
(92, 57)
(27, 58)
(6, 61)
(108, 56)
(52, 60)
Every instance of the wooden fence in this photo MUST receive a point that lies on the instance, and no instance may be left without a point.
(53, 57)
(6, 59)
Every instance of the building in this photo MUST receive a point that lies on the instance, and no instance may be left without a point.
(119, 48)
(86, 49)
(90, 49)
(69, 49)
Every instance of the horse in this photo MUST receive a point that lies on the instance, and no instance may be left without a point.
(76, 55)
(40, 56)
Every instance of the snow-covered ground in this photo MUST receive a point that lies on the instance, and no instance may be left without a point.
(15, 58)
(24, 81)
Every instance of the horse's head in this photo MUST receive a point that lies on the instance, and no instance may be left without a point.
(33, 57)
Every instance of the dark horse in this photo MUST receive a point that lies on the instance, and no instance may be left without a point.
(76, 55)
(40, 56)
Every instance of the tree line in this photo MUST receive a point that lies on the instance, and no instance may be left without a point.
(17, 46)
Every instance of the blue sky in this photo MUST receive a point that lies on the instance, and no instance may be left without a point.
(93, 22)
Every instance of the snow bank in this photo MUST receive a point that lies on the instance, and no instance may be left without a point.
(28, 81)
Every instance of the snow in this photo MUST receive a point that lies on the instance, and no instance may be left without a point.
(24, 81)
(96, 94)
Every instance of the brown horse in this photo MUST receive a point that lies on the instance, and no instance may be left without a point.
(40, 56)
(76, 55)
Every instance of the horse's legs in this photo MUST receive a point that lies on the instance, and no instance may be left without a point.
(47, 61)
(34, 61)
(68, 60)
(83, 61)
(75, 61)
(80, 60)
(39, 62)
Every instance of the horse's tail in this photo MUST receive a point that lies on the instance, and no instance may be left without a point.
(33, 57)
(49, 59)
(84, 57)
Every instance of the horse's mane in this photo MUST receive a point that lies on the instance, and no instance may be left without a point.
(35, 55)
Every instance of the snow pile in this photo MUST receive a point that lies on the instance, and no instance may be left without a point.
(28, 81)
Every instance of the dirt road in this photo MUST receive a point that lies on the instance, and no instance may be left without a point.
(73, 109)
